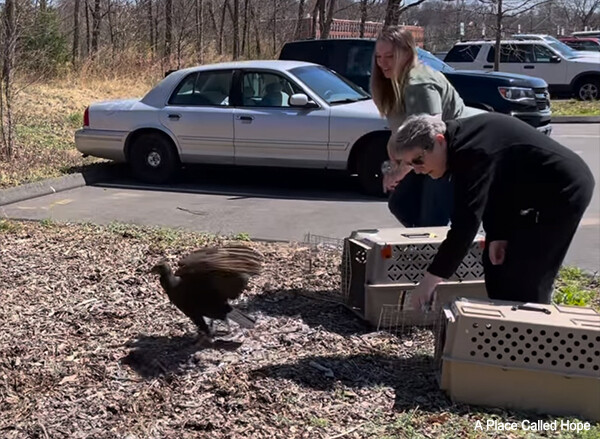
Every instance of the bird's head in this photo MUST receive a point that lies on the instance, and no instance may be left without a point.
(161, 268)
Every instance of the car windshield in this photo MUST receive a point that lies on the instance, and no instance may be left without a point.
(328, 85)
(561, 47)
(432, 61)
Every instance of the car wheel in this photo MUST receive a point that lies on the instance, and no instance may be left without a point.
(153, 158)
(370, 158)
(588, 89)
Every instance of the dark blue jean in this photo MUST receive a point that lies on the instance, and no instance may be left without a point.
(421, 201)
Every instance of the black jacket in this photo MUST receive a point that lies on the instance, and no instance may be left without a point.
(502, 168)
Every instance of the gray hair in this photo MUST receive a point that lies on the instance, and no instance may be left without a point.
(418, 131)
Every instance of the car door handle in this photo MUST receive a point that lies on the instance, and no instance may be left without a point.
(529, 67)
(245, 118)
(488, 67)
(174, 116)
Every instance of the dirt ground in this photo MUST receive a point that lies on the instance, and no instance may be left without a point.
(90, 347)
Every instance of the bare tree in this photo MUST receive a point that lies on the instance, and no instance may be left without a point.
(395, 8)
(199, 30)
(151, 29)
(299, 21)
(75, 51)
(96, 20)
(503, 9)
(583, 12)
(236, 28)
(246, 29)
(6, 81)
(364, 12)
(168, 27)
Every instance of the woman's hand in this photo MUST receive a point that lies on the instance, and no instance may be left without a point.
(422, 295)
(394, 176)
(497, 250)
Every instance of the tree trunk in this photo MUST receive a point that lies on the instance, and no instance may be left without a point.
(322, 17)
(6, 83)
(256, 31)
(392, 13)
(246, 31)
(213, 19)
(313, 22)
(199, 30)
(274, 26)
(111, 29)
(150, 18)
(236, 29)
(75, 51)
(168, 27)
(96, 19)
(363, 18)
(498, 35)
(87, 28)
(299, 27)
(222, 26)
(328, 20)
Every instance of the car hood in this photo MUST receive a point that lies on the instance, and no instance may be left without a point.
(366, 108)
(529, 81)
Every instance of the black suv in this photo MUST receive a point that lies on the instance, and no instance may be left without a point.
(522, 96)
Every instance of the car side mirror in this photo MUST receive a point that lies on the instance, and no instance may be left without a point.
(554, 59)
(301, 100)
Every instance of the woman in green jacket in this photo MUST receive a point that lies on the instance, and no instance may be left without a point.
(402, 86)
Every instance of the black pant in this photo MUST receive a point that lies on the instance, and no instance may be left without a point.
(534, 255)
(421, 201)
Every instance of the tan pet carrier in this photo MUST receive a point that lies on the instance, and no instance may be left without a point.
(380, 266)
(541, 358)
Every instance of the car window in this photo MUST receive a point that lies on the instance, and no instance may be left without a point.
(328, 85)
(463, 53)
(359, 61)
(203, 88)
(433, 61)
(515, 53)
(265, 89)
(542, 54)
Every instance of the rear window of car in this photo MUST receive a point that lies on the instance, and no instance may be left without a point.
(463, 53)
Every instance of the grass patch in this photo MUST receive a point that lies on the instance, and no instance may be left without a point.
(577, 288)
(573, 107)
(46, 118)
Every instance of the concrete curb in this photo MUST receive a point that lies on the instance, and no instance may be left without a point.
(54, 185)
(575, 119)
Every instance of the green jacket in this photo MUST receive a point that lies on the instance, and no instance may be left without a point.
(428, 91)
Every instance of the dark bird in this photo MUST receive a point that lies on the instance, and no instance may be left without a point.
(205, 282)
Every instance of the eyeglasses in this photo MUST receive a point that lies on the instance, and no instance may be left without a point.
(417, 161)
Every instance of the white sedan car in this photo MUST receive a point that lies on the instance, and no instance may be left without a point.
(258, 113)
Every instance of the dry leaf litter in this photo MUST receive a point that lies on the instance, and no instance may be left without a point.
(90, 347)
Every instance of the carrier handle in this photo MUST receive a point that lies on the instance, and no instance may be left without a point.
(418, 235)
(530, 308)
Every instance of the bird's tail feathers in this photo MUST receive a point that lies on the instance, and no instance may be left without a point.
(242, 319)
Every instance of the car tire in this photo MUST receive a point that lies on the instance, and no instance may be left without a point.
(368, 166)
(153, 158)
(588, 89)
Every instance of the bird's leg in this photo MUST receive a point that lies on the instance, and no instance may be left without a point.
(204, 333)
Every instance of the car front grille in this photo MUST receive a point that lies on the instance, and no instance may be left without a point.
(542, 98)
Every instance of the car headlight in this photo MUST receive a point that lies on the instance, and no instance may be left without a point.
(518, 94)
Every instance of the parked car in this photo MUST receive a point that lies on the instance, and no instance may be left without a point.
(558, 45)
(522, 96)
(589, 44)
(565, 75)
(587, 33)
(265, 113)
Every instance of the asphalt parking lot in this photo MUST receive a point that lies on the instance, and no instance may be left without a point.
(273, 204)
